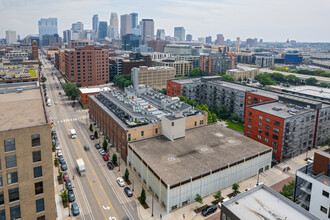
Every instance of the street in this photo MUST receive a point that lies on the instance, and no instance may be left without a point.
(97, 194)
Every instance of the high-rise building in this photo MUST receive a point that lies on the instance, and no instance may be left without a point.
(47, 26)
(220, 39)
(125, 24)
(102, 29)
(160, 34)
(130, 41)
(27, 179)
(188, 37)
(35, 50)
(208, 40)
(113, 27)
(11, 37)
(158, 45)
(179, 33)
(66, 36)
(88, 34)
(18, 38)
(134, 19)
(95, 22)
(92, 71)
(77, 31)
(147, 30)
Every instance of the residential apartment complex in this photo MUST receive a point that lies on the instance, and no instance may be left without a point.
(312, 187)
(155, 77)
(87, 66)
(26, 163)
(243, 73)
(214, 64)
(182, 68)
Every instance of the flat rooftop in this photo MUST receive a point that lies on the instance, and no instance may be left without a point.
(309, 90)
(202, 149)
(263, 203)
(20, 110)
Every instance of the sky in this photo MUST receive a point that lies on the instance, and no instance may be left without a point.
(271, 20)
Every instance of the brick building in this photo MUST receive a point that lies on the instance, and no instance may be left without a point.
(87, 66)
(158, 45)
(182, 68)
(60, 61)
(292, 125)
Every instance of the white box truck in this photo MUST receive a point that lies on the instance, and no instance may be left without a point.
(73, 133)
(81, 167)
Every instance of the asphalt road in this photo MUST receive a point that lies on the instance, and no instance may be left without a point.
(97, 194)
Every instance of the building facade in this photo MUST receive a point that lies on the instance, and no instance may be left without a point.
(179, 33)
(178, 49)
(215, 64)
(243, 73)
(155, 77)
(11, 37)
(158, 45)
(102, 29)
(47, 26)
(147, 30)
(125, 24)
(87, 66)
(182, 68)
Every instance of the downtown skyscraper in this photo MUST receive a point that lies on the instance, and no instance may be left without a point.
(179, 33)
(102, 29)
(125, 24)
(47, 26)
(113, 27)
(147, 30)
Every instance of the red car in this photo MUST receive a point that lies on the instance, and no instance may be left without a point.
(105, 157)
(65, 176)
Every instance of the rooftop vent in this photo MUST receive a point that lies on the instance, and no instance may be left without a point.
(231, 141)
(171, 159)
(204, 149)
(219, 134)
(277, 108)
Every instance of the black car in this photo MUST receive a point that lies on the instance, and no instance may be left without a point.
(128, 191)
(55, 136)
(71, 195)
(209, 210)
(68, 184)
(97, 146)
(92, 137)
(73, 104)
(75, 209)
(110, 166)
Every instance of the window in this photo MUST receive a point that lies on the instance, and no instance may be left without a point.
(9, 145)
(38, 187)
(275, 137)
(249, 126)
(325, 193)
(274, 143)
(41, 218)
(11, 161)
(172, 123)
(156, 130)
(1, 184)
(250, 113)
(249, 97)
(276, 123)
(201, 122)
(266, 140)
(12, 178)
(259, 131)
(35, 140)
(267, 133)
(267, 120)
(142, 133)
(324, 210)
(2, 200)
(248, 132)
(2, 214)
(15, 212)
(195, 123)
(276, 130)
(129, 137)
(259, 137)
(274, 151)
(249, 120)
(260, 117)
(36, 155)
(40, 206)
(37, 171)
(13, 194)
(260, 124)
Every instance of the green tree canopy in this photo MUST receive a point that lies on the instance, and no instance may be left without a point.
(235, 188)
(311, 81)
(71, 90)
(287, 190)
(122, 81)
(199, 199)
(143, 196)
(228, 78)
(195, 72)
(324, 84)
(292, 79)
(264, 79)
(278, 77)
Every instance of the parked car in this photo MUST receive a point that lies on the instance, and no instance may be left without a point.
(75, 209)
(97, 146)
(86, 148)
(102, 152)
(57, 147)
(65, 176)
(54, 132)
(110, 166)
(61, 159)
(59, 153)
(73, 104)
(64, 167)
(68, 184)
(105, 157)
(55, 136)
(128, 191)
(120, 181)
(71, 195)
(60, 93)
(92, 137)
(209, 210)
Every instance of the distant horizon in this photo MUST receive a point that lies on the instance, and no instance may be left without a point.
(274, 21)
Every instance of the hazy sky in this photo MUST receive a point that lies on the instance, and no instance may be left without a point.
(271, 20)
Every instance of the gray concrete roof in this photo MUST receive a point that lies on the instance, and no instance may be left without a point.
(203, 149)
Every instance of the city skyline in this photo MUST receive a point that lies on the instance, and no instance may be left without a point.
(271, 22)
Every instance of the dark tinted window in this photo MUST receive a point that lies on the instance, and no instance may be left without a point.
(15, 212)
(40, 206)
(9, 145)
(38, 187)
(12, 178)
(11, 161)
(36, 155)
(13, 194)
(37, 171)
(2, 215)
(35, 140)
(2, 200)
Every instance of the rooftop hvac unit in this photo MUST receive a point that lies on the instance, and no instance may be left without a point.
(277, 108)
(299, 107)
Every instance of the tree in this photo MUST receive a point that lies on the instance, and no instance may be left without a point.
(56, 161)
(287, 190)
(91, 127)
(235, 188)
(223, 112)
(105, 145)
(234, 117)
(195, 72)
(126, 174)
(96, 134)
(114, 159)
(278, 77)
(240, 79)
(43, 79)
(228, 78)
(292, 79)
(40, 63)
(143, 196)
(122, 81)
(264, 79)
(71, 90)
(65, 196)
(217, 195)
(311, 81)
(60, 174)
(199, 199)
(324, 84)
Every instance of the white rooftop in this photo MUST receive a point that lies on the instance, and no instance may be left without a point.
(308, 90)
(93, 90)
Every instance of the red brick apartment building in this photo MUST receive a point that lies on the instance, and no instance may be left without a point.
(87, 66)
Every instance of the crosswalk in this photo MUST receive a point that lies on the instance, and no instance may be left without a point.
(69, 120)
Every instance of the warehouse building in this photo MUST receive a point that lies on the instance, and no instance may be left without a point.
(182, 163)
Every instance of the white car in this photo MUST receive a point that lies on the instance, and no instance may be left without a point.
(59, 153)
(102, 151)
(120, 181)
(55, 102)
(57, 147)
